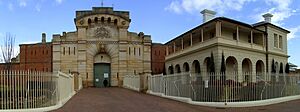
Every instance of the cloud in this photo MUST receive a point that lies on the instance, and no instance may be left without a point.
(281, 10)
(22, 3)
(10, 6)
(59, 1)
(198, 5)
(294, 32)
(38, 7)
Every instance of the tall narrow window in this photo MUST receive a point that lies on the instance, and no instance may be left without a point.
(134, 51)
(74, 51)
(64, 51)
(280, 42)
(129, 50)
(139, 51)
(69, 50)
(275, 40)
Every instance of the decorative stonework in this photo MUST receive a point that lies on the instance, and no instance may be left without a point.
(102, 32)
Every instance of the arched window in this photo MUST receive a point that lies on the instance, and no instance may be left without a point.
(109, 20)
(89, 21)
(115, 21)
(102, 19)
(96, 20)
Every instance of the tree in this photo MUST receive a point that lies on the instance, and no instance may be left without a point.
(212, 63)
(8, 50)
(223, 68)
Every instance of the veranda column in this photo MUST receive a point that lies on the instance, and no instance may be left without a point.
(237, 34)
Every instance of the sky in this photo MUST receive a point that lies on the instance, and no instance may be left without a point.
(162, 19)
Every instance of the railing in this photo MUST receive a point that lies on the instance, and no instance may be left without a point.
(34, 91)
(225, 88)
(132, 82)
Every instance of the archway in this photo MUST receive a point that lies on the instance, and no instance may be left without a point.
(207, 64)
(186, 67)
(196, 67)
(177, 68)
(171, 69)
(247, 69)
(231, 65)
(260, 68)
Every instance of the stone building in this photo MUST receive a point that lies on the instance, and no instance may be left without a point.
(158, 54)
(102, 48)
(252, 49)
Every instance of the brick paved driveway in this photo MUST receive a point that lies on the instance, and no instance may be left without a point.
(123, 100)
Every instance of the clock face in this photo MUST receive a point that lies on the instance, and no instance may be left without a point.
(81, 22)
(123, 22)
(102, 32)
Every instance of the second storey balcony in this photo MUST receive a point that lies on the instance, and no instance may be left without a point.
(219, 31)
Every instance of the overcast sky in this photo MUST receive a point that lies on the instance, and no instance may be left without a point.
(162, 19)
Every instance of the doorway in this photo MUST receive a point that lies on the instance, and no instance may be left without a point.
(101, 73)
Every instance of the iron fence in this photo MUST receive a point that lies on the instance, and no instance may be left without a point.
(226, 87)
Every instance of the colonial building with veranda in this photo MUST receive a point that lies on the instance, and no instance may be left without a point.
(251, 49)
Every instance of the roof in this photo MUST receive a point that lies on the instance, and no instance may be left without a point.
(267, 23)
(216, 19)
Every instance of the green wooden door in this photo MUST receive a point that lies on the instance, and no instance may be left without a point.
(101, 72)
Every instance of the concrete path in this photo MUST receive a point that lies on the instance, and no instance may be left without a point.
(123, 100)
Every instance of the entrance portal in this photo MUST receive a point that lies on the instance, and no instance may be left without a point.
(101, 73)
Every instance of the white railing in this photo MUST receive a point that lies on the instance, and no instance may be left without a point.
(132, 82)
(65, 87)
(225, 88)
(34, 91)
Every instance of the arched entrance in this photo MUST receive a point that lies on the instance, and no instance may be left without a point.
(102, 70)
(177, 68)
(186, 67)
(247, 69)
(196, 67)
(260, 69)
(231, 68)
(171, 69)
(231, 65)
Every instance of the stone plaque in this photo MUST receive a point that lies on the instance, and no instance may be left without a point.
(102, 32)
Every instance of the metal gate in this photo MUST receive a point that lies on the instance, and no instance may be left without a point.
(101, 73)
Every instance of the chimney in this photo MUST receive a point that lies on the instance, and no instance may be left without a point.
(43, 37)
(268, 17)
(208, 15)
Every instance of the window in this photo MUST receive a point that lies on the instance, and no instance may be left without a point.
(64, 51)
(102, 19)
(134, 51)
(74, 51)
(115, 21)
(69, 50)
(89, 21)
(139, 51)
(275, 40)
(280, 42)
(96, 20)
(234, 36)
(109, 20)
(129, 50)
